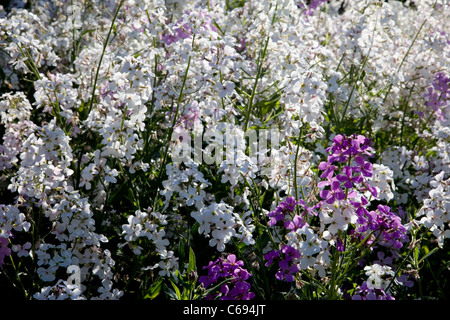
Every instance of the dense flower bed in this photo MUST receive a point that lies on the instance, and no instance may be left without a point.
(180, 149)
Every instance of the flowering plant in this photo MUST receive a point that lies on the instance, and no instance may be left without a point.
(193, 149)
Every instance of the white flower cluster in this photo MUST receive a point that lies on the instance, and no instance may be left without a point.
(337, 216)
(279, 167)
(219, 222)
(379, 276)
(312, 248)
(60, 291)
(188, 183)
(15, 111)
(42, 180)
(12, 219)
(151, 225)
(383, 181)
(435, 212)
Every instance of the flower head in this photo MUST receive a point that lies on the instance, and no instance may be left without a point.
(232, 269)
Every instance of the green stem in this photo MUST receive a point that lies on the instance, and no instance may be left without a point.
(332, 287)
(404, 58)
(258, 75)
(359, 75)
(25, 293)
(170, 131)
(101, 58)
(295, 161)
(404, 116)
(355, 260)
(353, 88)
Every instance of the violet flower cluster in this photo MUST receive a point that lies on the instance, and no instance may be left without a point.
(346, 150)
(363, 292)
(346, 205)
(284, 214)
(438, 94)
(312, 6)
(352, 182)
(237, 288)
(286, 258)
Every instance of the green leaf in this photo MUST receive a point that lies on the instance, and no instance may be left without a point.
(172, 295)
(177, 291)
(428, 254)
(192, 261)
(181, 253)
(416, 254)
(87, 31)
(215, 287)
(155, 289)
(194, 228)
(264, 240)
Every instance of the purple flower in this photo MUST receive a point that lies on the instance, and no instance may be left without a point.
(284, 208)
(290, 252)
(232, 262)
(4, 251)
(438, 94)
(391, 227)
(387, 224)
(309, 210)
(383, 260)
(328, 170)
(286, 262)
(333, 182)
(213, 274)
(242, 274)
(224, 289)
(230, 268)
(312, 7)
(331, 196)
(419, 113)
(183, 30)
(365, 167)
(275, 216)
(404, 279)
(289, 204)
(286, 271)
(294, 224)
(240, 288)
(270, 256)
(343, 150)
(362, 212)
(347, 177)
(442, 83)
(363, 292)
(339, 146)
(340, 245)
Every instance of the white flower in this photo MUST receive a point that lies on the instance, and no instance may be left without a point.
(191, 196)
(218, 221)
(336, 222)
(168, 264)
(383, 180)
(225, 89)
(218, 243)
(231, 174)
(47, 274)
(87, 175)
(378, 276)
(111, 175)
(22, 250)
